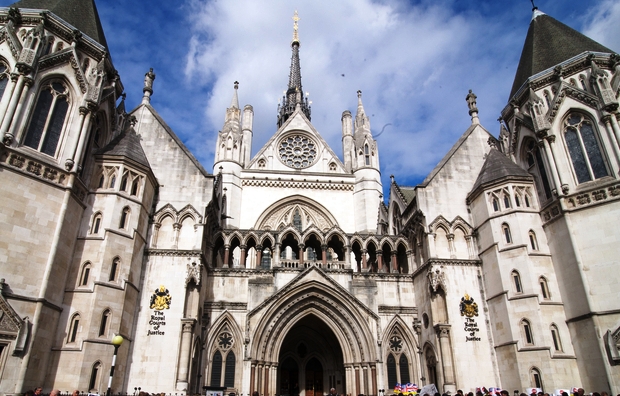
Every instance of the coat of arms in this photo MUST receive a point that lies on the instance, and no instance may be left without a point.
(161, 298)
(468, 307)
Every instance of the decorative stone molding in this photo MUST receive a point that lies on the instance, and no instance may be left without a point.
(298, 184)
(225, 305)
(32, 166)
(437, 278)
(194, 272)
(386, 309)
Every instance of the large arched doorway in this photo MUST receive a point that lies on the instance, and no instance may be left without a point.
(311, 360)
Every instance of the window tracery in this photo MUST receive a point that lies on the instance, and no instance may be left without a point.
(298, 151)
(4, 77)
(48, 118)
(583, 148)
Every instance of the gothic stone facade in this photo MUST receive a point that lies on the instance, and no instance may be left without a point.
(284, 271)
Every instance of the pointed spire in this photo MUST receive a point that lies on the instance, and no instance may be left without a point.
(362, 122)
(234, 103)
(293, 96)
(360, 106)
(548, 43)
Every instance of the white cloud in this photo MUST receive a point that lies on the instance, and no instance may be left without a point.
(602, 24)
(414, 65)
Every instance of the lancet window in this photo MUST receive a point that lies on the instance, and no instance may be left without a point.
(48, 118)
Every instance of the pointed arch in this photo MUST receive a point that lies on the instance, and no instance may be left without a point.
(224, 347)
(346, 316)
(280, 212)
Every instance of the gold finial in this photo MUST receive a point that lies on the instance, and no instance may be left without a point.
(295, 27)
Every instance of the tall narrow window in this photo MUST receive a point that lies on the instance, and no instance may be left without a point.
(533, 241)
(74, 328)
(366, 155)
(516, 279)
(95, 373)
(527, 201)
(4, 78)
(96, 224)
(48, 118)
(105, 320)
(112, 181)
(114, 269)
(495, 204)
(124, 182)
(517, 200)
(135, 185)
(536, 167)
(506, 201)
(229, 373)
(216, 369)
(85, 274)
(555, 336)
(526, 329)
(391, 371)
(403, 364)
(536, 378)
(544, 288)
(506, 232)
(124, 219)
(584, 149)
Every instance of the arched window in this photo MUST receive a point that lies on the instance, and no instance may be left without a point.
(4, 78)
(495, 204)
(124, 218)
(114, 269)
(216, 369)
(516, 280)
(583, 147)
(74, 328)
(101, 180)
(404, 369)
(533, 241)
(112, 181)
(536, 168)
(332, 166)
(134, 186)
(105, 321)
(229, 371)
(95, 375)
(507, 201)
(366, 154)
(391, 371)
(544, 288)
(261, 163)
(506, 232)
(526, 331)
(555, 336)
(124, 181)
(527, 201)
(536, 378)
(85, 274)
(96, 223)
(48, 118)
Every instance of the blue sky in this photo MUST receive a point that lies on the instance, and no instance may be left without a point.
(414, 61)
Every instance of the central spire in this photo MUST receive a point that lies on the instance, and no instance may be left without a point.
(294, 95)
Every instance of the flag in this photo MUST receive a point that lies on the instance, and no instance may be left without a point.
(397, 387)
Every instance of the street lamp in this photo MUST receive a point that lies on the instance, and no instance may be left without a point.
(116, 341)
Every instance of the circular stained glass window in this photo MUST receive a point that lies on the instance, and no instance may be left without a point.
(297, 151)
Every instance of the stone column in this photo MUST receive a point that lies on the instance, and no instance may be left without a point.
(259, 255)
(549, 141)
(443, 333)
(184, 353)
(551, 165)
(410, 261)
(451, 246)
(347, 257)
(175, 234)
(615, 126)
(10, 111)
(432, 251)
(8, 92)
(612, 137)
(365, 376)
(22, 98)
(156, 227)
(380, 261)
(242, 258)
(82, 138)
(364, 262)
(266, 383)
(324, 255)
(226, 255)
(252, 377)
(276, 256)
(373, 374)
(394, 262)
(357, 380)
(301, 254)
(470, 246)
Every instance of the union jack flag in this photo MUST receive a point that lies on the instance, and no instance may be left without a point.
(397, 387)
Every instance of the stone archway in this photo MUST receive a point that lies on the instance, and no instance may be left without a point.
(311, 360)
(313, 306)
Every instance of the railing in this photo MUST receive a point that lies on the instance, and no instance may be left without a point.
(330, 265)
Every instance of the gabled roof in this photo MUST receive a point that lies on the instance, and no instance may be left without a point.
(498, 167)
(549, 42)
(127, 144)
(82, 14)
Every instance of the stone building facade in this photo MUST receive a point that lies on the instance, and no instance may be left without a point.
(284, 271)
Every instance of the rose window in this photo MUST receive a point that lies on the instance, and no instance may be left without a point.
(298, 151)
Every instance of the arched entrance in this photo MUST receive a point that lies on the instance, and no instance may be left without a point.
(312, 360)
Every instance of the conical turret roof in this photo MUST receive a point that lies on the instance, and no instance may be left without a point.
(127, 144)
(549, 42)
(498, 167)
(82, 14)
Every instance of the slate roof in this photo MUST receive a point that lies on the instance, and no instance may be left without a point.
(547, 44)
(82, 14)
(127, 144)
(497, 167)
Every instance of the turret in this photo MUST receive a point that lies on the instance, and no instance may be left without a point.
(246, 126)
(229, 142)
(347, 140)
(366, 151)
